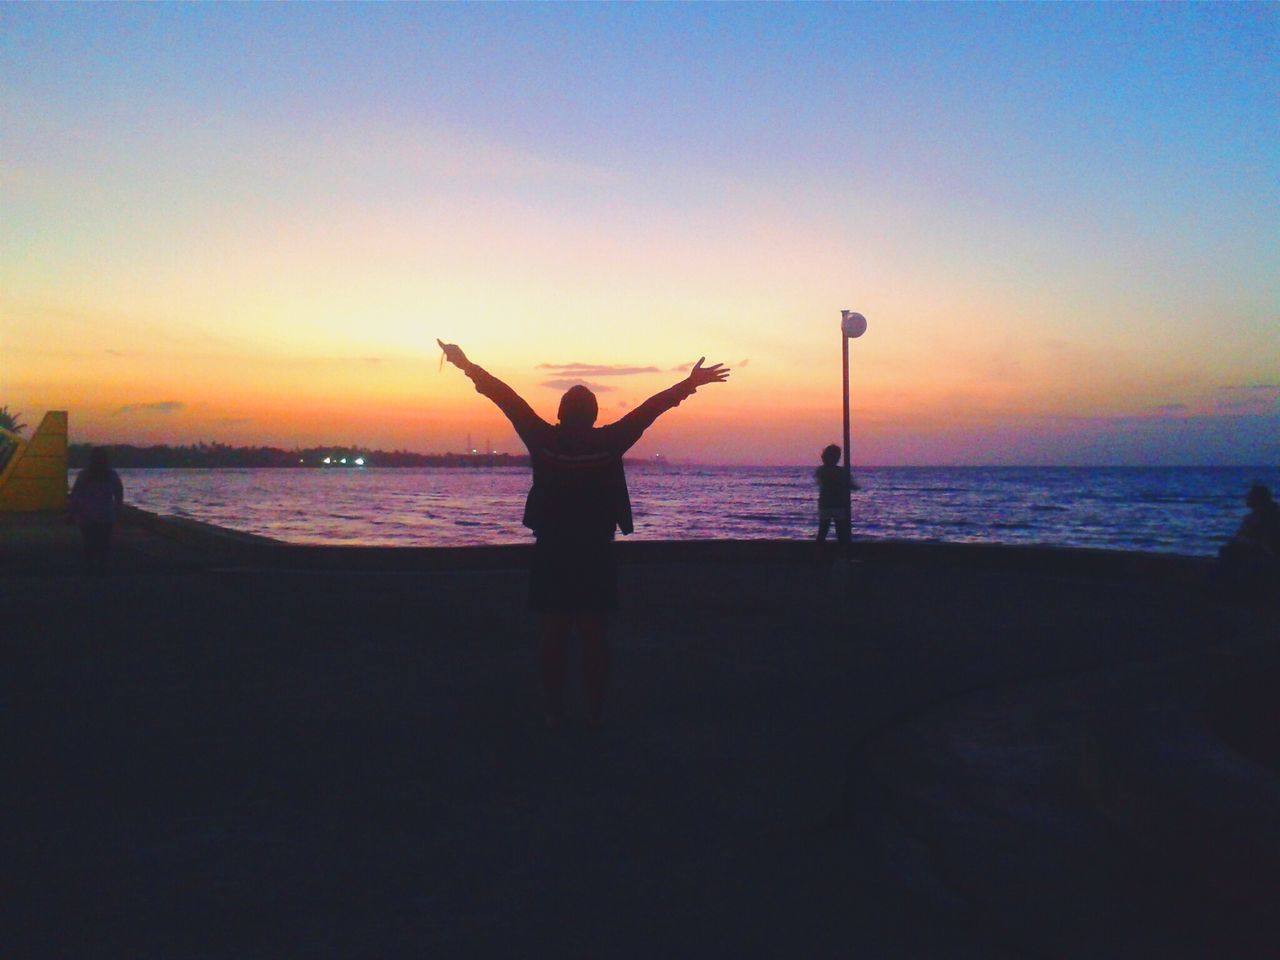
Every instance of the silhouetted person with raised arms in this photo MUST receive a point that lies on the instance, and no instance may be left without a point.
(578, 500)
(96, 498)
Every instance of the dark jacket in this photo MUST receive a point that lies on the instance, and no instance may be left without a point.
(579, 486)
(833, 486)
(96, 499)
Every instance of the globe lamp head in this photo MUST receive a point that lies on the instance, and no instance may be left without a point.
(852, 324)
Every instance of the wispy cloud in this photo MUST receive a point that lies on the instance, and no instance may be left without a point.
(567, 383)
(1241, 405)
(1254, 398)
(161, 406)
(595, 369)
(686, 367)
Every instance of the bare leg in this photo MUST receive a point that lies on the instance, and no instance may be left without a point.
(594, 630)
(555, 634)
(823, 526)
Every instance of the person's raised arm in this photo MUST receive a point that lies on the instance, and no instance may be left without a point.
(507, 400)
(635, 423)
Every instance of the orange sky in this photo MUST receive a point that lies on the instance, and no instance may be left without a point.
(212, 246)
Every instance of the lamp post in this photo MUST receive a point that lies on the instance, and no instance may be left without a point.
(852, 325)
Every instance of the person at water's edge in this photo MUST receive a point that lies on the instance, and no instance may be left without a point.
(1251, 559)
(834, 485)
(578, 500)
(94, 503)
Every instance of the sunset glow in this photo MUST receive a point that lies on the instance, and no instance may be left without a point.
(249, 223)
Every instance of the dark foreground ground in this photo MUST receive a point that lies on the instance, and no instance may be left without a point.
(890, 759)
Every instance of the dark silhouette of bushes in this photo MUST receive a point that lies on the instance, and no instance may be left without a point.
(222, 456)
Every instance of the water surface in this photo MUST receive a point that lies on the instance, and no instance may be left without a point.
(1186, 510)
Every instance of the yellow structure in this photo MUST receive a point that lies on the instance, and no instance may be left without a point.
(35, 477)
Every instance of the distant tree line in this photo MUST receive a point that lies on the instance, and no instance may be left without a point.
(220, 455)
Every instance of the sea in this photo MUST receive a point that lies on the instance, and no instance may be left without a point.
(1181, 510)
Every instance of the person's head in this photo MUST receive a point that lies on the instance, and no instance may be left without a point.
(99, 464)
(1259, 497)
(578, 407)
(831, 455)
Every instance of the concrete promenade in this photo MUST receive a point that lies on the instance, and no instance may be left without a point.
(233, 749)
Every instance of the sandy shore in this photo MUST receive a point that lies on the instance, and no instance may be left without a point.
(910, 756)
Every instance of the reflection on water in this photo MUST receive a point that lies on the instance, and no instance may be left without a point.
(1178, 510)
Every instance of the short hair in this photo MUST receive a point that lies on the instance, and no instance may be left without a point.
(830, 453)
(99, 466)
(578, 406)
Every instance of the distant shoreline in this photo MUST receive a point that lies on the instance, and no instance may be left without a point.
(217, 456)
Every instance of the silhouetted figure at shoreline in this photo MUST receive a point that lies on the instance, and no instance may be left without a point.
(578, 500)
(1251, 558)
(96, 498)
(833, 496)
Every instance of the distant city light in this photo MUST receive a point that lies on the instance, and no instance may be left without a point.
(359, 461)
(343, 460)
(326, 460)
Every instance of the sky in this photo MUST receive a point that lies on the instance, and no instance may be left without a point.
(250, 223)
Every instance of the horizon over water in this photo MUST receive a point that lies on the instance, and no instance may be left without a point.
(1187, 510)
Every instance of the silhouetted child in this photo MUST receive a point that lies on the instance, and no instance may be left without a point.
(833, 496)
(96, 498)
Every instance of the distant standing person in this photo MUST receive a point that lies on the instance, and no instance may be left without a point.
(1252, 556)
(1259, 532)
(833, 496)
(578, 500)
(96, 498)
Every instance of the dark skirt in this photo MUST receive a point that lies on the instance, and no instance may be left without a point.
(573, 575)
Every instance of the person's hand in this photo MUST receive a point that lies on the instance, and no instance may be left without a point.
(700, 375)
(453, 353)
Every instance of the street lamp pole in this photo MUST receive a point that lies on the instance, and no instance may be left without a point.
(852, 325)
